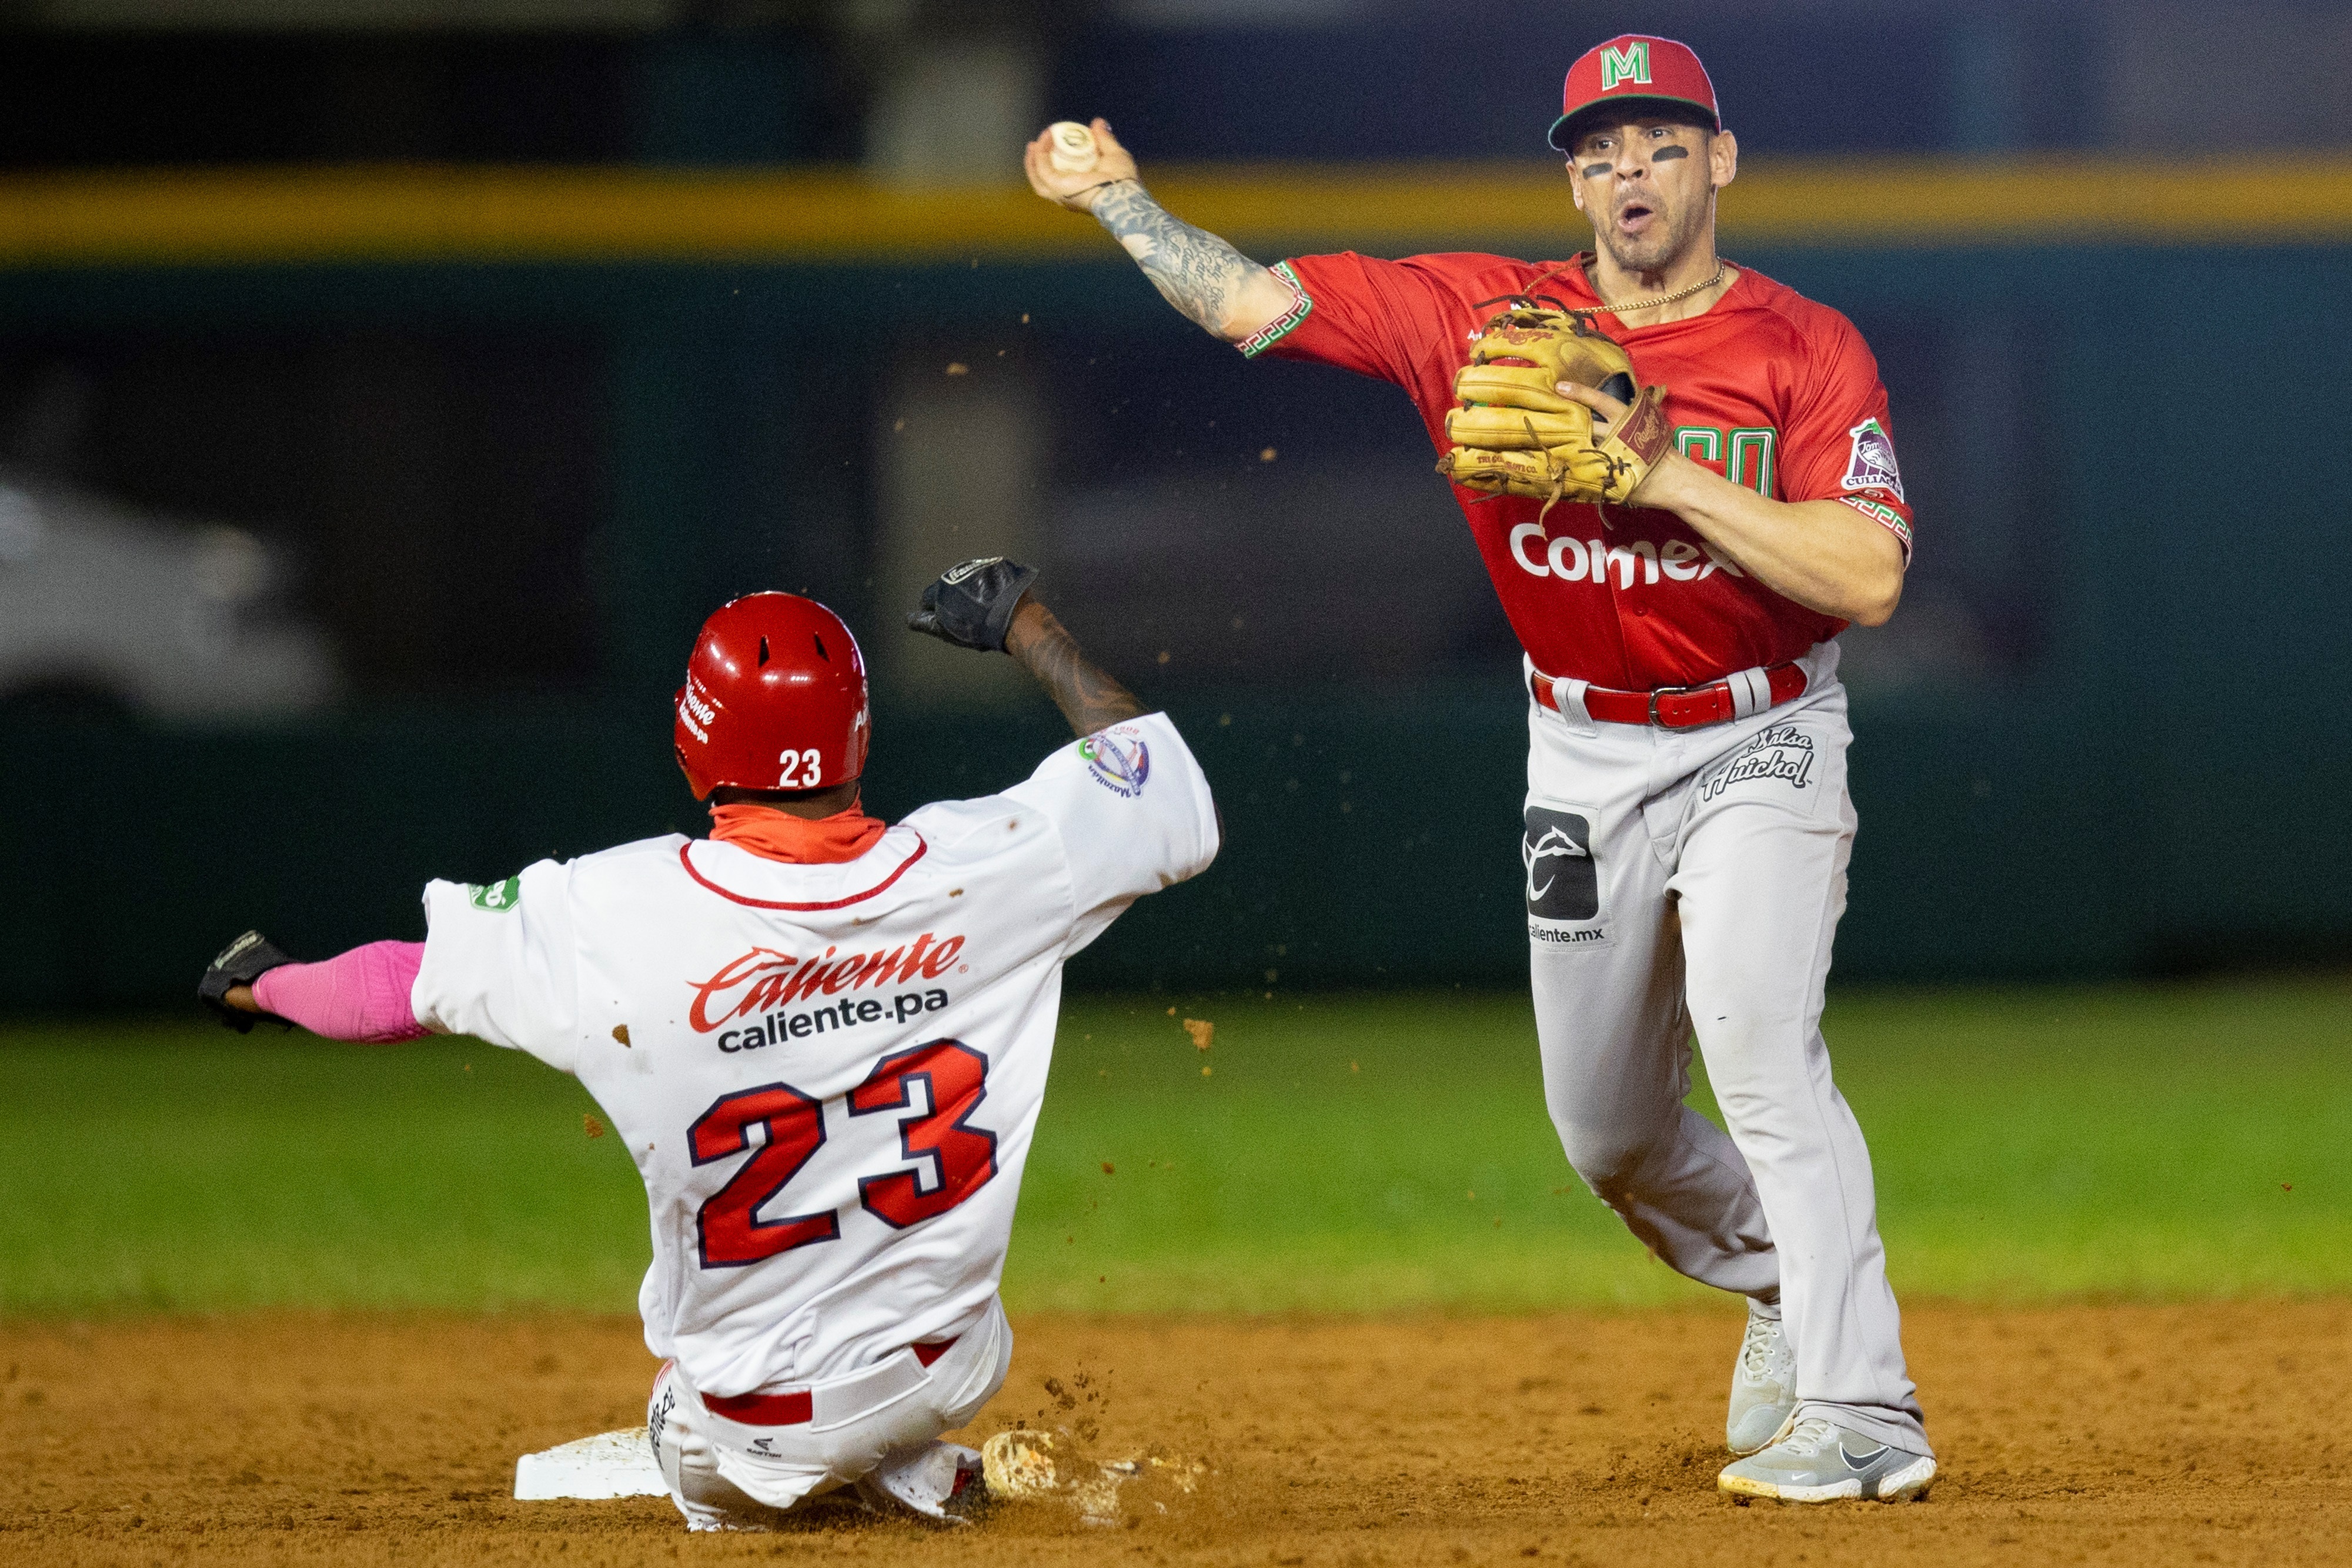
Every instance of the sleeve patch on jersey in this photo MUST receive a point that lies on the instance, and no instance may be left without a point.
(1274, 331)
(1883, 515)
(498, 896)
(1118, 759)
(1870, 464)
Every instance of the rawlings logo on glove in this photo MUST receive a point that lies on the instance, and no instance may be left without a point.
(1516, 435)
(240, 963)
(972, 602)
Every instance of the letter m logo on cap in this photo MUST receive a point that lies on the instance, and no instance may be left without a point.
(1628, 69)
(1630, 64)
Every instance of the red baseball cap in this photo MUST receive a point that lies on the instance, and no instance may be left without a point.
(1631, 70)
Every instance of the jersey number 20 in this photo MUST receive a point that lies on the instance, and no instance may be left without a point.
(959, 1158)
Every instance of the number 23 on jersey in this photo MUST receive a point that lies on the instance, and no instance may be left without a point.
(958, 1158)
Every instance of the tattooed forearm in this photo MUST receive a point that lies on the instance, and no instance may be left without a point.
(1193, 269)
(1087, 697)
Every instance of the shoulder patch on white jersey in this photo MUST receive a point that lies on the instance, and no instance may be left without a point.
(1118, 759)
(1870, 463)
(496, 897)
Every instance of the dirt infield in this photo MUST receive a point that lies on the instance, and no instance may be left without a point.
(2139, 1434)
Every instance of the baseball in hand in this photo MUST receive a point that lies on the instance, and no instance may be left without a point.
(1074, 150)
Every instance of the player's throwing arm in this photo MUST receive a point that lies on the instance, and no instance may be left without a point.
(1215, 286)
(1824, 556)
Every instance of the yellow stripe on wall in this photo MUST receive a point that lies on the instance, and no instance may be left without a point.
(425, 215)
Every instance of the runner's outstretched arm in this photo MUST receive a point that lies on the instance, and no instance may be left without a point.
(1088, 695)
(1211, 283)
(361, 995)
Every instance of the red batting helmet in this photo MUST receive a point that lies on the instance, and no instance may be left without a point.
(774, 698)
(1638, 72)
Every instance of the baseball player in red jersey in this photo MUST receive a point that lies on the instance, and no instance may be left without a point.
(1687, 826)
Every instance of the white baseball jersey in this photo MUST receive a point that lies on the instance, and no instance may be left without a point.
(827, 1074)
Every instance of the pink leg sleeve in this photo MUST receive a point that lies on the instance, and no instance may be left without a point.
(361, 996)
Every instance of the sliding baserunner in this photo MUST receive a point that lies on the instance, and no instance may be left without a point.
(822, 1037)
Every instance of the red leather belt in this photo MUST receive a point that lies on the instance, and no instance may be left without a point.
(794, 1409)
(1680, 707)
(798, 1408)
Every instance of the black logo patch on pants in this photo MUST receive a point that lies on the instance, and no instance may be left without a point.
(1563, 883)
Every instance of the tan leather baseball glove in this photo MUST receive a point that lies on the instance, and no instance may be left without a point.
(1515, 436)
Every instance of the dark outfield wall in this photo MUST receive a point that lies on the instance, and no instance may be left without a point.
(2162, 791)
(2009, 839)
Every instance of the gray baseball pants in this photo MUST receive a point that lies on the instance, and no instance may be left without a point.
(1682, 879)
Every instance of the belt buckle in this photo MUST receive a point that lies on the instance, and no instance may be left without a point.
(1658, 720)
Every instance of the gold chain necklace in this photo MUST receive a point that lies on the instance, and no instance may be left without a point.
(1619, 310)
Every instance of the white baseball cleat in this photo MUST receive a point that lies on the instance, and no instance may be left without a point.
(938, 1482)
(1818, 1462)
(1763, 1385)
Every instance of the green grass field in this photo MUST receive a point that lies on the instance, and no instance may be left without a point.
(1350, 1154)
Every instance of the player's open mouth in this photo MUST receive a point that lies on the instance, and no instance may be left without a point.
(1632, 218)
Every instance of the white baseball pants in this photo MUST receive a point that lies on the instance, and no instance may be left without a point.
(726, 1474)
(1682, 879)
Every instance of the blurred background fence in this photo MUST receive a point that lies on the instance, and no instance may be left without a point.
(387, 390)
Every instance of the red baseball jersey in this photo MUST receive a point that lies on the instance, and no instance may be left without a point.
(1766, 387)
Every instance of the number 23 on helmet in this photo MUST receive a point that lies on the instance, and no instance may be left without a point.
(775, 699)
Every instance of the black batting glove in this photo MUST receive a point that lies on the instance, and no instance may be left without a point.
(240, 963)
(972, 602)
